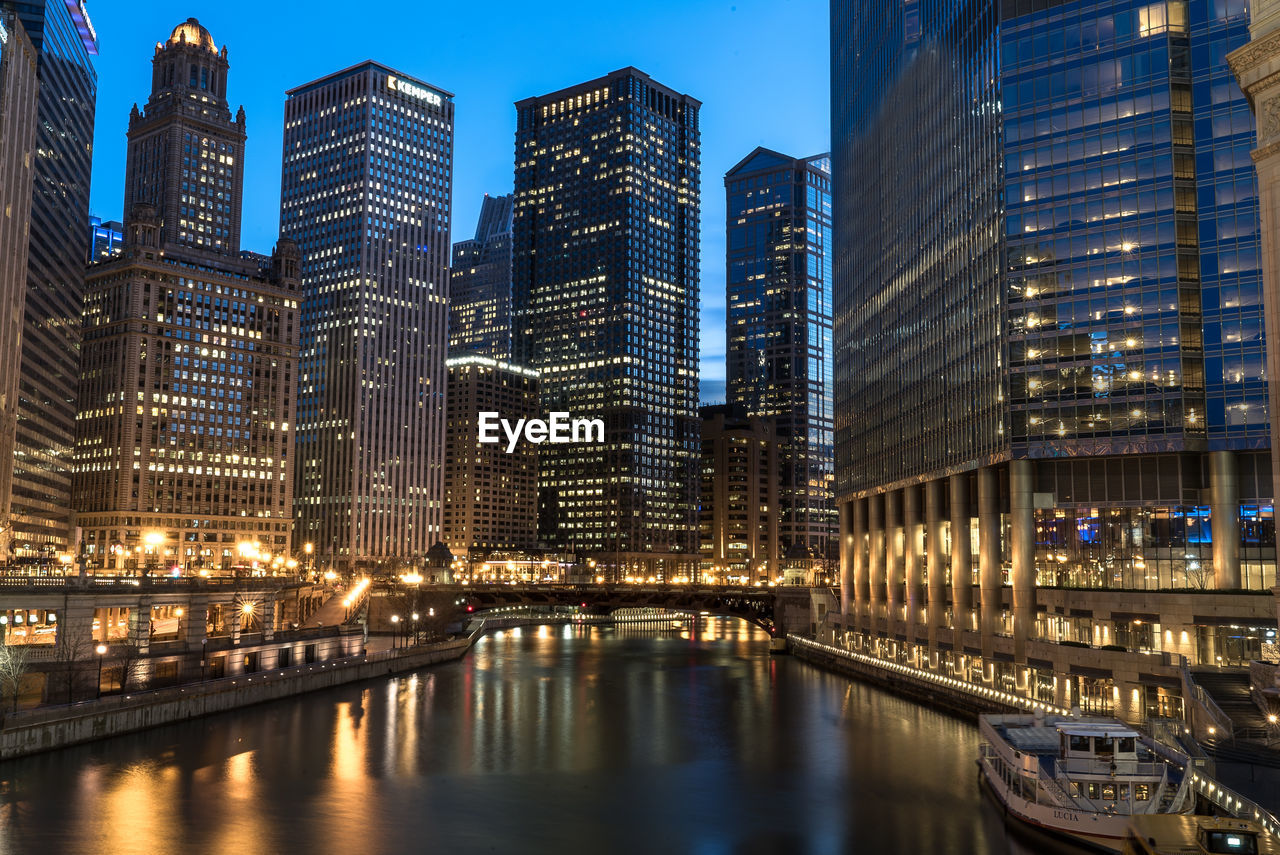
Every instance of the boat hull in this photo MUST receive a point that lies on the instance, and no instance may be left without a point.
(1101, 832)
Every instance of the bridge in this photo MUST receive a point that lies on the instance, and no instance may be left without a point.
(756, 605)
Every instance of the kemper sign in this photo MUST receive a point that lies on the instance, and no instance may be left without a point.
(413, 90)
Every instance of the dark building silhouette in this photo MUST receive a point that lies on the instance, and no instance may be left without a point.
(480, 285)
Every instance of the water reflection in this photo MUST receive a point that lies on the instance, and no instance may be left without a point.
(686, 739)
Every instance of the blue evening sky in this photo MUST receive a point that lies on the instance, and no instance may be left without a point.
(758, 66)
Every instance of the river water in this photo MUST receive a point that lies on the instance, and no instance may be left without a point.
(545, 739)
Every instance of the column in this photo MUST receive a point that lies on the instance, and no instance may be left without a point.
(1022, 537)
(935, 556)
(1224, 518)
(860, 588)
(140, 625)
(913, 556)
(875, 559)
(893, 556)
(846, 559)
(989, 581)
(269, 617)
(1254, 65)
(961, 554)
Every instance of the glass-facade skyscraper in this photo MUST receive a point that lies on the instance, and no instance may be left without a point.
(605, 308)
(65, 43)
(480, 285)
(366, 190)
(778, 211)
(1049, 346)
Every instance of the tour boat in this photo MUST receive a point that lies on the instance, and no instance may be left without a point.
(1080, 777)
(1161, 834)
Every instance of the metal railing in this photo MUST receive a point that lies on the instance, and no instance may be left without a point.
(1205, 701)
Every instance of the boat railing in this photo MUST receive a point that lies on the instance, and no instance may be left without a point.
(1055, 789)
(1098, 766)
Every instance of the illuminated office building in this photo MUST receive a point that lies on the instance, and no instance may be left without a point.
(480, 285)
(1048, 331)
(19, 87)
(778, 332)
(44, 442)
(490, 494)
(366, 190)
(605, 308)
(185, 429)
(106, 239)
(738, 520)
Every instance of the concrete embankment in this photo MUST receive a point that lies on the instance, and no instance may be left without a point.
(949, 695)
(47, 728)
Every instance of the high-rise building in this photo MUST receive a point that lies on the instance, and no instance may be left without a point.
(366, 190)
(64, 42)
(106, 239)
(186, 151)
(738, 521)
(1049, 347)
(778, 319)
(490, 493)
(605, 308)
(185, 450)
(19, 88)
(480, 285)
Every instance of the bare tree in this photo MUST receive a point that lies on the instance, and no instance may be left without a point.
(73, 647)
(129, 658)
(13, 664)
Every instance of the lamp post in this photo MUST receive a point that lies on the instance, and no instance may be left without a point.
(204, 657)
(415, 627)
(395, 630)
(101, 650)
(310, 550)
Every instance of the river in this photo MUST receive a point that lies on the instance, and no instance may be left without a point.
(544, 739)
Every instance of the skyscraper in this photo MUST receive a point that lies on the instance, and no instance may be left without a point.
(185, 429)
(64, 41)
(490, 493)
(1048, 318)
(738, 517)
(480, 295)
(106, 238)
(186, 152)
(366, 190)
(779, 331)
(19, 87)
(605, 308)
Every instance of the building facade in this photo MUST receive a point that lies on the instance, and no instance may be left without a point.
(778, 331)
(480, 285)
(44, 438)
(185, 448)
(19, 88)
(605, 308)
(366, 191)
(490, 493)
(1049, 344)
(186, 150)
(738, 520)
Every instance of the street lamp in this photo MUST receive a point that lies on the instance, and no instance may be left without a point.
(415, 627)
(395, 624)
(101, 650)
(153, 540)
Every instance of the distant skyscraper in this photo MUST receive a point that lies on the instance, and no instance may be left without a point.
(605, 308)
(185, 430)
(19, 87)
(480, 295)
(490, 495)
(59, 243)
(779, 330)
(106, 238)
(186, 152)
(738, 520)
(366, 190)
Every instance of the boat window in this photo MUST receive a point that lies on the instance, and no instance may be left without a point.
(1093, 790)
(1108, 792)
(1243, 842)
(1126, 745)
(1080, 743)
(1124, 792)
(1075, 790)
(1141, 792)
(1104, 745)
